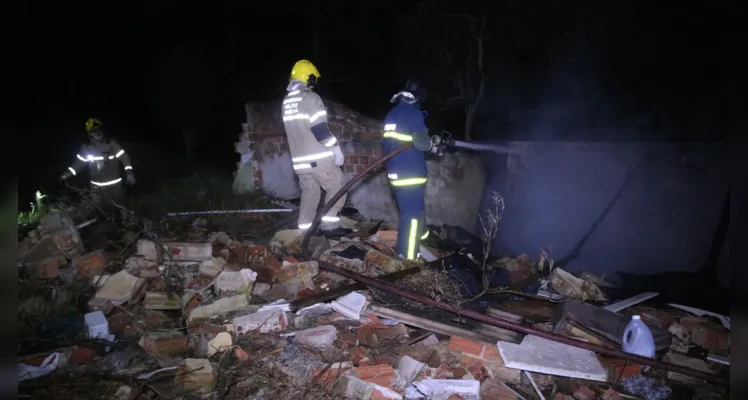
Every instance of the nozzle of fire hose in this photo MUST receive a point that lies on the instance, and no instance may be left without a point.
(447, 140)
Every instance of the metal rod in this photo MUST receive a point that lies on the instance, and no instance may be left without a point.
(502, 323)
(342, 191)
(87, 223)
(247, 211)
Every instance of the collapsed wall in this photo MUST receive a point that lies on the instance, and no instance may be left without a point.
(453, 192)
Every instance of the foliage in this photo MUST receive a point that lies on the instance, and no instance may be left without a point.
(39, 209)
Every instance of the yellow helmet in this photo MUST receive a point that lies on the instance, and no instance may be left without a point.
(92, 123)
(306, 72)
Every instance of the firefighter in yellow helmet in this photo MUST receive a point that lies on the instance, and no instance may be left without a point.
(315, 152)
(102, 156)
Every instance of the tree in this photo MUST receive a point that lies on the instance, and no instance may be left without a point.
(468, 80)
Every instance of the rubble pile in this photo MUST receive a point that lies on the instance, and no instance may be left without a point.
(237, 319)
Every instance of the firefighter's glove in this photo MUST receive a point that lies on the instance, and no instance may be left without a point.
(437, 146)
(339, 158)
(130, 179)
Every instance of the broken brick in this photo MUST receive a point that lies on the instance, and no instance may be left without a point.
(711, 337)
(380, 374)
(611, 394)
(619, 369)
(272, 320)
(93, 263)
(197, 374)
(290, 272)
(165, 346)
(584, 393)
(49, 268)
(466, 346)
(476, 367)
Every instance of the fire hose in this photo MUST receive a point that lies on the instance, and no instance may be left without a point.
(490, 320)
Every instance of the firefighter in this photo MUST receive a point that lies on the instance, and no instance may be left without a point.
(315, 152)
(102, 156)
(405, 123)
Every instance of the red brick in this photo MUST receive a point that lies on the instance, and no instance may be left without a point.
(49, 268)
(622, 368)
(381, 374)
(491, 354)
(80, 355)
(447, 372)
(358, 169)
(466, 346)
(476, 367)
(93, 263)
(363, 160)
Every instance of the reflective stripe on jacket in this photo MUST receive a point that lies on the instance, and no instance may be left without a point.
(304, 113)
(102, 159)
(403, 124)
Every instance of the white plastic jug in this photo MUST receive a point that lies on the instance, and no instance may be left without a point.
(637, 338)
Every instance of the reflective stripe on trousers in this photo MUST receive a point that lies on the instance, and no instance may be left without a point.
(328, 179)
(411, 227)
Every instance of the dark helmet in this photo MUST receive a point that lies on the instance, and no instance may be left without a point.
(412, 93)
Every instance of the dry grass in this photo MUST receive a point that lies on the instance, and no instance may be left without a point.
(437, 284)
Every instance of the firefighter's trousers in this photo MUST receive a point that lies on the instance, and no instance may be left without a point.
(411, 202)
(329, 179)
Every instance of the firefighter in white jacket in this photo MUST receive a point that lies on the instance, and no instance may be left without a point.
(315, 153)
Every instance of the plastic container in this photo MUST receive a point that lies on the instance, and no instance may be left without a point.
(637, 338)
(97, 327)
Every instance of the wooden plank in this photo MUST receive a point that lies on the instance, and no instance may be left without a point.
(342, 291)
(631, 301)
(423, 323)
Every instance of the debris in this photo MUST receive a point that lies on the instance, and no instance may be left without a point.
(165, 344)
(725, 320)
(175, 251)
(547, 357)
(97, 327)
(350, 305)
(48, 366)
(235, 281)
(685, 361)
(218, 307)
(49, 268)
(320, 338)
(294, 272)
(118, 289)
(162, 301)
(570, 286)
(272, 320)
(631, 301)
(537, 389)
(646, 387)
(211, 268)
(608, 324)
(444, 389)
(352, 387)
(197, 374)
(93, 263)
(222, 342)
(287, 241)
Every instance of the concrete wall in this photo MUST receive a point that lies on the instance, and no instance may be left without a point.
(664, 221)
(453, 191)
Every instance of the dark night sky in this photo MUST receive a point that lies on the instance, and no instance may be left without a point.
(147, 70)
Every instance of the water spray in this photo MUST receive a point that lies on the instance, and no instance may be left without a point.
(476, 145)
